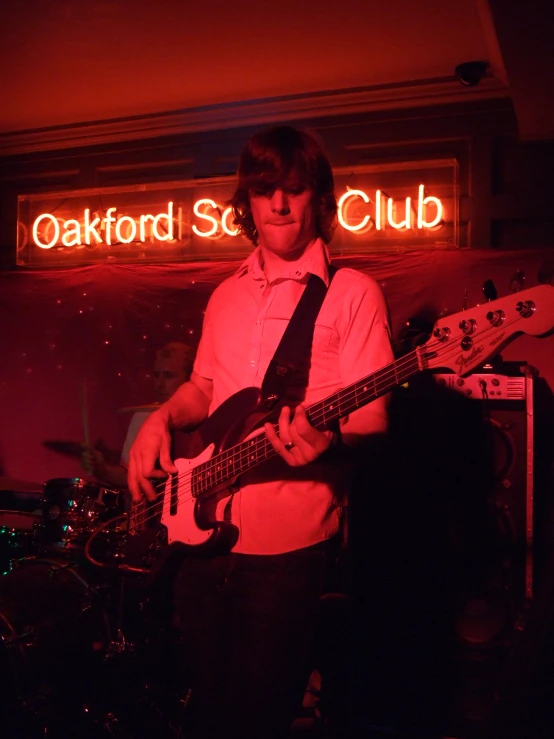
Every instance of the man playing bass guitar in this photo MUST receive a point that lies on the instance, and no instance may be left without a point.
(248, 615)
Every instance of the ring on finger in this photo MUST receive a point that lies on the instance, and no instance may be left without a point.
(289, 446)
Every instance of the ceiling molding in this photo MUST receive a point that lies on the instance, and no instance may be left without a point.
(251, 113)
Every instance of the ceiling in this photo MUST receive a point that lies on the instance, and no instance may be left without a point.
(66, 64)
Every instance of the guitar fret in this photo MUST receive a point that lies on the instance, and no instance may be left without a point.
(232, 462)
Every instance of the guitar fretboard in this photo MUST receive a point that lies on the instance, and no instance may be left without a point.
(234, 461)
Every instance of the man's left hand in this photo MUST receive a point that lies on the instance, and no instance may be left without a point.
(298, 442)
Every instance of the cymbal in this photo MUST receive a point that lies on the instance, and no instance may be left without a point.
(139, 408)
(75, 449)
(20, 486)
(68, 448)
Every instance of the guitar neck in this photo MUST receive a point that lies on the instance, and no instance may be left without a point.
(324, 413)
(460, 342)
(238, 459)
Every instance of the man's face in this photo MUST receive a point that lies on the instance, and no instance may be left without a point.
(168, 375)
(284, 218)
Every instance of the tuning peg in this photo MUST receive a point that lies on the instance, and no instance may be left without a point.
(489, 290)
(517, 280)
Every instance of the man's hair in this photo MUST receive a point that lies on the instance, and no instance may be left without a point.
(279, 157)
(179, 351)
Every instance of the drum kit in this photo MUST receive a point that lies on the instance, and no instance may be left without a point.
(88, 643)
(87, 647)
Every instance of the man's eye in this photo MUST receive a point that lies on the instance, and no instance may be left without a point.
(259, 193)
(298, 190)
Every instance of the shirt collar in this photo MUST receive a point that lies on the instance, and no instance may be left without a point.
(315, 261)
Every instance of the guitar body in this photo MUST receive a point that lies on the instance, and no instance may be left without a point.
(192, 521)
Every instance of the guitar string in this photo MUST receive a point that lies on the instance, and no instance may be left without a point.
(255, 444)
(263, 442)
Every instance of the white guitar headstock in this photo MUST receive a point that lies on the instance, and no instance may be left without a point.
(463, 341)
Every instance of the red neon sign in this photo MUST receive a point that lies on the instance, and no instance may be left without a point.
(379, 207)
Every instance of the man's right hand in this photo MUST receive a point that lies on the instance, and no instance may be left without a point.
(153, 444)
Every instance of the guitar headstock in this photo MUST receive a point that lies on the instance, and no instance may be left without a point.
(463, 341)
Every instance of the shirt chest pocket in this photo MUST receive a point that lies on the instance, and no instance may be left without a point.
(324, 362)
(320, 367)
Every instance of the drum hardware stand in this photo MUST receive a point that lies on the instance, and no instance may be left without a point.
(119, 645)
(16, 639)
(111, 725)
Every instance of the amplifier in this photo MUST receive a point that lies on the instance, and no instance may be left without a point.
(508, 398)
(487, 386)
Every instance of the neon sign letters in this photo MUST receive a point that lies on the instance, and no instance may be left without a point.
(357, 213)
(385, 211)
(201, 209)
(47, 229)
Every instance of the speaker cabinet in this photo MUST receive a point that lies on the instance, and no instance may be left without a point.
(442, 543)
(507, 402)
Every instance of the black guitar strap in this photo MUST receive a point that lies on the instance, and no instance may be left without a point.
(297, 337)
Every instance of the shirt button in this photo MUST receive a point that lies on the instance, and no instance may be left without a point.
(298, 273)
(252, 362)
(258, 323)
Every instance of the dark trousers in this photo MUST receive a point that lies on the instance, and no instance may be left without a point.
(248, 622)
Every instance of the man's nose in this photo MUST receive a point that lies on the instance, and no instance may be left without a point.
(279, 201)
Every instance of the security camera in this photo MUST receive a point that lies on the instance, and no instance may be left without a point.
(471, 73)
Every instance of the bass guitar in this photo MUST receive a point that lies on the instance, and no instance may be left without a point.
(232, 440)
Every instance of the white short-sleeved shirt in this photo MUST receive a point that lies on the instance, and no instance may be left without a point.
(280, 508)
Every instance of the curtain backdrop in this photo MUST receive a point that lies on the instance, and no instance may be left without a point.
(100, 325)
